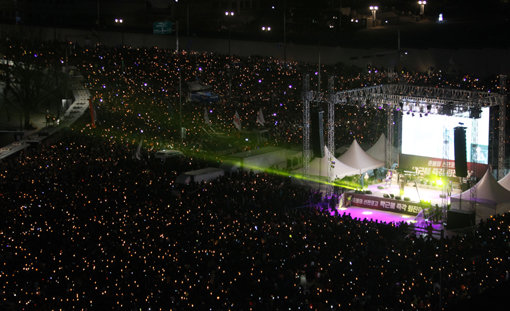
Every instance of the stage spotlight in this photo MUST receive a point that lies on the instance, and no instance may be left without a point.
(429, 107)
(413, 114)
(421, 115)
(408, 112)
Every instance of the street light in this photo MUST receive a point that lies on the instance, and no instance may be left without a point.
(229, 14)
(422, 6)
(120, 21)
(374, 9)
(266, 28)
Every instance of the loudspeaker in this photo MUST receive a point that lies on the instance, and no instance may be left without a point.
(460, 151)
(317, 133)
(460, 219)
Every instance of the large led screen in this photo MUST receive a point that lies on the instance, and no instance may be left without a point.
(424, 136)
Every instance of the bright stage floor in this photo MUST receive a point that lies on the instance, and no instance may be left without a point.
(425, 193)
(362, 213)
(420, 226)
(415, 194)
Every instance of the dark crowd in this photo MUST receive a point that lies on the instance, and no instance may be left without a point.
(85, 225)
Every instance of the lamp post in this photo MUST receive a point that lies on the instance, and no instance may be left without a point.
(120, 21)
(373, 9)
(422, 3)
(229, 14)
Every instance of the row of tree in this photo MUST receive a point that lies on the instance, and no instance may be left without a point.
(29, 85)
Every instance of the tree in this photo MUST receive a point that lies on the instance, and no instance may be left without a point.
(31, 87)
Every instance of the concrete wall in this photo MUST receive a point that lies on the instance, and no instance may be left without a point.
(481, 62)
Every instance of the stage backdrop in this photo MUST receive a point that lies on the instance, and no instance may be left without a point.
(425, 136)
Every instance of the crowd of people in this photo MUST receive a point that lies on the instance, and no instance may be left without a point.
(85, 225)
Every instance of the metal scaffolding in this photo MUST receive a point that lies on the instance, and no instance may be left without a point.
(388, 146)
(445, 164)
(331, 116)
(307, 97)
(474, 159)
(430, 100)
(393, 94)
(331, 133)
(502, 127)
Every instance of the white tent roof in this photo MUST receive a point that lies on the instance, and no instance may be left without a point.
(486, 190)
(378, 150)
(505, 181)
(357, 158)
(195, 86)
(320, 167)
(488, 195)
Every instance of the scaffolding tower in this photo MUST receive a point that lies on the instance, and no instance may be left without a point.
(307, 96)
(502, 126)
(331, 133)
(445, 166)
(388, 146)
(442, 100)
(474, 160)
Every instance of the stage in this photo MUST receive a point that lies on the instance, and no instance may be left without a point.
(363, 213)
(417, 225)
(375, 207)
(415, 192)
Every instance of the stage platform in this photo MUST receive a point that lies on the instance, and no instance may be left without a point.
(414, 193)
(363, 213)
(416, 225)
(374, 207)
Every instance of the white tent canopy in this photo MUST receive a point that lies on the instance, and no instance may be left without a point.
(357, 158)
(505, 181)
(487, 196)
(378, 150)
(196, 86)
(320, 167)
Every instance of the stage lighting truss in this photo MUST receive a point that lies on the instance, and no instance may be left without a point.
(418, 99)
(407, 98)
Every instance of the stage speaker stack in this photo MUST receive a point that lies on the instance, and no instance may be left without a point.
(317, 133)
(460, 219)
(460, 151)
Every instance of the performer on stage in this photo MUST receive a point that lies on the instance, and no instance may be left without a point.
(388, 178)
(402, 183)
